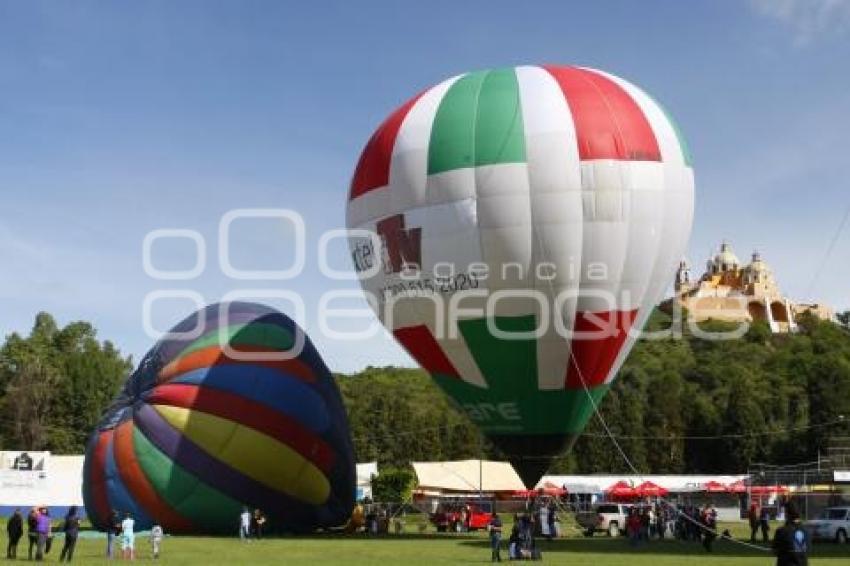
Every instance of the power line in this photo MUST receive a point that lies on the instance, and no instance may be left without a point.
(775, 432)
(828, 253)
(635, 471)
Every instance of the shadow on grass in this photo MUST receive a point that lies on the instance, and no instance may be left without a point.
(666, 547)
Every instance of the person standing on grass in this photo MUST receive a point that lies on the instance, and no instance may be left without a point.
(659, 521)
(514, 541)
(495, 528)
(633, 527)
(156, 540)
(753, 518)
(113, 530)
(259, 524)
(709, 521)
(552, 518)
(32, 530)
(245, 525)
(15, 530)
(791, 541)
(71, 528)
(42, 530)
(48, 544)
(128, 537)
(764, 523)
(645, 522)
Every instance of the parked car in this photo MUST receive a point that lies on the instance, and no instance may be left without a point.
(460, 516)
(832, 524)
(606, 518)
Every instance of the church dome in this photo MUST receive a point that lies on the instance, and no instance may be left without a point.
(726, 259)
(758, 264)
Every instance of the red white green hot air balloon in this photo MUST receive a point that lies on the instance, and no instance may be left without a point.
(528, 221)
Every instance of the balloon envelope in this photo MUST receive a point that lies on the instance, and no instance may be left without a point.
(527, 221)
(221, 414)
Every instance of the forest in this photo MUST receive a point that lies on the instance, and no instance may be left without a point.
(679, 405)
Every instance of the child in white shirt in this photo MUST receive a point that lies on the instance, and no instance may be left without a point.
(156, 539)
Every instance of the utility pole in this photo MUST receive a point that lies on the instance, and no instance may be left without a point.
(480, 467)
(806, 492)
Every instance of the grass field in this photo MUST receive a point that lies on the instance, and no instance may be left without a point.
(411, 549)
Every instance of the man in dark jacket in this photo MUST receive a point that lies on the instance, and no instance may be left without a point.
(32, 530)
(15, 530)
(764, 523)
(113, 530)
(495, 528)
(71, 528)
(791, 541)
(753, 517)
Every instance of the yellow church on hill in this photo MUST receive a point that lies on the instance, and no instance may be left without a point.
(733, 292)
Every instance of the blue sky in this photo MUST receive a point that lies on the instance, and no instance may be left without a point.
(119, 118)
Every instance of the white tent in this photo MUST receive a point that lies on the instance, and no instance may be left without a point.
(54, 481)
(466, 476)
(365, 473)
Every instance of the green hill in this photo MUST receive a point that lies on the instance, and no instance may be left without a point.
(761, 398)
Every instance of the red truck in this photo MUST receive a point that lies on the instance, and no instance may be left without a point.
(462, 516)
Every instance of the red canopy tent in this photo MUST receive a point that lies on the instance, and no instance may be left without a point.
(766, 489)
(737, 487)
(649, 489)
(548, 488)
(622, 490)
(716, 487)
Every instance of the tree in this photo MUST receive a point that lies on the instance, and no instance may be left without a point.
(56, 384)
(393, 485)
(678, 406)
(26, 405)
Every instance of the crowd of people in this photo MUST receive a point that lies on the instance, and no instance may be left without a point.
(759, 519)
(539, 519)
(699, 524)
(121, 531)
(644, 522)
(40, 533)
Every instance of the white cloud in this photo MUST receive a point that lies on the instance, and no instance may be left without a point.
(807, 19)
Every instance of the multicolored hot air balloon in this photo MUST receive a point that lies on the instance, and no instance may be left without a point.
(221, 414)
(528, 220)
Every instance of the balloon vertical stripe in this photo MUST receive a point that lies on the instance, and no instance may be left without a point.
(591, 358)
(422, 346)
(95, 479)
(499, 132)
(503, 361)
(373, 169)
(478, 122)
(609, 123)
(120, 498)
(181, 490)
(138, 485)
